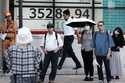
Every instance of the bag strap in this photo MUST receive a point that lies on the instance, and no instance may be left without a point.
(56, 35)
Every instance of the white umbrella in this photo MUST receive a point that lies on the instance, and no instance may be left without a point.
(80, 22)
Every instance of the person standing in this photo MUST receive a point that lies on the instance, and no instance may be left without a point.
(87, 52)
(23, 59)
(10, 29)
(115, 62)
(51, 44)
(68, 40)
(102, 43)
(8, 32)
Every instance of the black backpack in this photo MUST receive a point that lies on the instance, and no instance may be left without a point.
(60, 51)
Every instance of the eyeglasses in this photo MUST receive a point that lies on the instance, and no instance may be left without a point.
(100, 25)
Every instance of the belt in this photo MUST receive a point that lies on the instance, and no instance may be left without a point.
(50, 51)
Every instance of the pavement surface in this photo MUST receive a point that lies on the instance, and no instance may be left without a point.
(72, 77)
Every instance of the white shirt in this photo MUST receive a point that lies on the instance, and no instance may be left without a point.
(68, 30)
(51, 42)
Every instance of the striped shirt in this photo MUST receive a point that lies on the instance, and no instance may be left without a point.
(23, 61)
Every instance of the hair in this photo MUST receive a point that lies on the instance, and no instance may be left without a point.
(118, 40)
(119, 29)
(67, 12)
(101, 22)
(50, 25)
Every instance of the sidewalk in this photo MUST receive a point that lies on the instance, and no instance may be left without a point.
(68, 79)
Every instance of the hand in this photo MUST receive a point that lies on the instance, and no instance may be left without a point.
(45, 51)
(56, 50)
(108, 56)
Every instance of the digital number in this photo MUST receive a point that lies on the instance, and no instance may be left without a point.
(40, 13)
(49, 15)
(33, 13)
(79, 13)
(58, 13)
(86, 13)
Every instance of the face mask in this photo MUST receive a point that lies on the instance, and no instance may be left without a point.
(87, 27)
(116, 32)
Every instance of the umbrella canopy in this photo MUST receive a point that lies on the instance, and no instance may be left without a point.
(80, 22)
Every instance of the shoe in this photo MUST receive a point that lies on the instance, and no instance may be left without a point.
(86, 79)
(77, 67)
(117, 77)
(100, 81)
(112, 77)
(109, 82)
(59, 67)
(40, 82)
(91, 78)
(51, 82)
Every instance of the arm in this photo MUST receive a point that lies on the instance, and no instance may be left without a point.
(111, 44)
(109, 53)
(78, 34)
(38, 58)
(42, 46)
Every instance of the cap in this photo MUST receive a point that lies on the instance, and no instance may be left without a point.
(50, 25)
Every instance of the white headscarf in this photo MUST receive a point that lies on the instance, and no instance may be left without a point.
(24, 36)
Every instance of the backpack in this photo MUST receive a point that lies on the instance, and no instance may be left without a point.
(94, 37)
(60, 51)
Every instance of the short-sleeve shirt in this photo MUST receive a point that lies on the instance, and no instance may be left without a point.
(102, 41)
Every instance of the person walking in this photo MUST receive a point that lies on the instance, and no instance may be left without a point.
(51, 44)
(87, 52)
(115, 61)
(23, 58)
(68, 40)
(102, 43)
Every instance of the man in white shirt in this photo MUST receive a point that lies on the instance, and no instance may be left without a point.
(68, 40)
(52, 43)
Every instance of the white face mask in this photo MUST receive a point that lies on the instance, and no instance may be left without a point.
(116, 32)
(87, 28)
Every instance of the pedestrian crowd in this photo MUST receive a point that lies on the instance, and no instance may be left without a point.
(26, 62)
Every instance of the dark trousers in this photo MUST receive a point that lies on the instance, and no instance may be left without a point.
(100, 60)
(88, 62)
(53, 58)
(67, 50)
